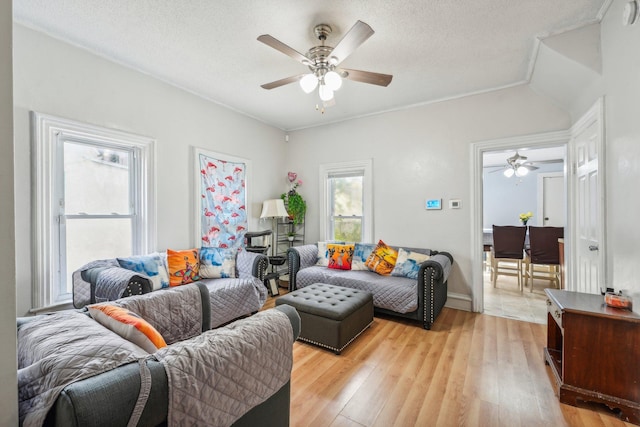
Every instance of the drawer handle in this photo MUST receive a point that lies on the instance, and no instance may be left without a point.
(549, 302)
(557, 314)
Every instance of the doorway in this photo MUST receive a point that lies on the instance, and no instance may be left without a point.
(506, 145)
(516, 182)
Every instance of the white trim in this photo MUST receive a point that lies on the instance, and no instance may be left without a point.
(459, 301)
(196, 187)
(324, 171)
(477, 150)
(47, 130)
(540, 194)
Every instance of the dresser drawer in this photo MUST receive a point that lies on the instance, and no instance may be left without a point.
(555, 312)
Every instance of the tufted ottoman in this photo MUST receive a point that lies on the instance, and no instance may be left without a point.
(331, 316)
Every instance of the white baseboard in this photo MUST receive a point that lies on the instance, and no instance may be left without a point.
(459, 301)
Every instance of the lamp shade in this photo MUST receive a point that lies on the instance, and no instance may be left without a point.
(273, 208)
(508, 172)
(333, 80)
(521, 171)
(326, 94)
(308, 83)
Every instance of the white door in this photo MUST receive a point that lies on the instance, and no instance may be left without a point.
(551, 199)
(588, 215)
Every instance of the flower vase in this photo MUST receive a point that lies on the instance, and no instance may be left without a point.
(524, 222)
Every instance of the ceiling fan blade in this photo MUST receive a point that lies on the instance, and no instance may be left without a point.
(368, 77)
(548, 161)
(501, 169)
(530, 167)
(357, 35)
(282, 82)
(287, 50)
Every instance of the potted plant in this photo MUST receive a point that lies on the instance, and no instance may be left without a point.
(296, 206)
(291, 235)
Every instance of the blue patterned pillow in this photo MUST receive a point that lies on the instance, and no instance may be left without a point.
(408, 264)
(152, 265)
(360, 255)
(217, 263)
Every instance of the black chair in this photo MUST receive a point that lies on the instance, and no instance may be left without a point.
(543, 252)
(507, 250)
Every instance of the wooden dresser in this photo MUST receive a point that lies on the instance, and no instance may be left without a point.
(594, 352)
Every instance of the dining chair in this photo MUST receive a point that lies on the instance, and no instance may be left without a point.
(543, 253)
(507, 252)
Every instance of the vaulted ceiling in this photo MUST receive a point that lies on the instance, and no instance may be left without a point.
(435, 50)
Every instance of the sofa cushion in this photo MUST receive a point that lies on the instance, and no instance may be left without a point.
(399, 294)
(152, 265)
(217, 263)
(183, 266)
(408, 263)
(340, 256)
(382, 259)
(129, 326)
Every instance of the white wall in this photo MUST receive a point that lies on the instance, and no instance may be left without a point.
(8, 360)
(56, 78)
(620, 86)
(417, 154)
(504, 199)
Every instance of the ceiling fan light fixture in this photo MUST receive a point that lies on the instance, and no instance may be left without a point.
(508, 172)
(309, 82)
(521, 170)
(325, 92)
(333, 80)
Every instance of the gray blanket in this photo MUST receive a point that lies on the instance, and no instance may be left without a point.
(59, 349)
(246, 362)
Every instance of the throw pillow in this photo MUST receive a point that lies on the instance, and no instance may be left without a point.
(382, 259)
(217, 263)
(183, 266)
(152, 265)
(128, 325)
(360, 255)
(340, 256)
(323, 255)
(408, 263)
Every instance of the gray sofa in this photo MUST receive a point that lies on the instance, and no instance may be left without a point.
(231, 298)
(109, 398)
(420, 299)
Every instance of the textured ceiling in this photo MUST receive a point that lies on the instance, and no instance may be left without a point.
(435, 49)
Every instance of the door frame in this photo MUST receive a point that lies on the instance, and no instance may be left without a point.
(540, 193)
(540, 140)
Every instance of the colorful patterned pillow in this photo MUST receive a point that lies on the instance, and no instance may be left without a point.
(183, 266)
(128, 325)
(360, 255)
(217, 263)
(408, 263)
(152, 265)
(323, 254)
(382, 259)
(340, 256)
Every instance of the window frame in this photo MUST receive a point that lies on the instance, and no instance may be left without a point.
(49, 133)
(343, 168)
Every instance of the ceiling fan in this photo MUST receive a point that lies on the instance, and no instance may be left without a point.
(519, 166)
(323, 62)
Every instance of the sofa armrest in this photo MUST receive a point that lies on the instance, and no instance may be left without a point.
(300, 257)
(432, 286)
(251, 264)
(111, 283)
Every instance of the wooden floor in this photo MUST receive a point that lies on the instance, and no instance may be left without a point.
(469, 370)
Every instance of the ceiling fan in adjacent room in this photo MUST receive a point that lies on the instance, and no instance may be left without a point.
(519, 166)
(323, 62)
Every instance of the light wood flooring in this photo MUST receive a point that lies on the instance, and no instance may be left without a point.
(469, 370)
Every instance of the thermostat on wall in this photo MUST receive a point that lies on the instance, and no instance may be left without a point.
(455, 204)
(434, 204)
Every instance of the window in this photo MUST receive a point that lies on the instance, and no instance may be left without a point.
(92, 198)
(346, 201)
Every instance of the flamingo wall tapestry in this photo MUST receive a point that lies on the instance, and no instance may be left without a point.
(223, 200)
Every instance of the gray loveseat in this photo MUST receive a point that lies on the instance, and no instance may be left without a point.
(230, 298)
(61, 385)
(421, 299)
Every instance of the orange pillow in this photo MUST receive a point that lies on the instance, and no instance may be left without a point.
(382, 259)
(183, 266)
(340, 256)
(129, 326)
